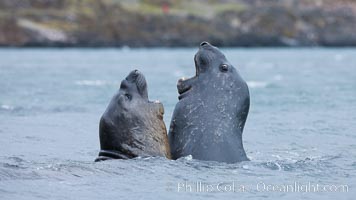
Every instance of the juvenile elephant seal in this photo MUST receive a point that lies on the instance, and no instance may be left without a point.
(133, 126)
(210, 116)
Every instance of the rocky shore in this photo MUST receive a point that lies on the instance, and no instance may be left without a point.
(169, 23)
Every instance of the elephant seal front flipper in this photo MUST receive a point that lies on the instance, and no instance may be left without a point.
(133, 126)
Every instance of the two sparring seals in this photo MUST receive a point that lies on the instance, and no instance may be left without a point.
(207, 122)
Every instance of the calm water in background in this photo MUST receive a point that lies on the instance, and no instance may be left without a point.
(301, 128)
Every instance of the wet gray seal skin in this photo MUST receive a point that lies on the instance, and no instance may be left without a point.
(210, 116)
(133, 126)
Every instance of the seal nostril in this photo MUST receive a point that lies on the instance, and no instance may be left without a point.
(203, 43)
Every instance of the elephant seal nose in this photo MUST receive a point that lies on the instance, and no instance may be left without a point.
(204, 43)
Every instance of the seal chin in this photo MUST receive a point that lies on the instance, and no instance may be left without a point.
(196, 62)
(137, 78)
(203, 57)
(205, 43)
(132, 77)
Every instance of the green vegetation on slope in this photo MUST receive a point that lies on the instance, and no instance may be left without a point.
(177, 23)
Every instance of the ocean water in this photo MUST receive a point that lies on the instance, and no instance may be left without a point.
(300, 134)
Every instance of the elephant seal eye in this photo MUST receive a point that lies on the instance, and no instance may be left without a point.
(128, 97)
(224, 68)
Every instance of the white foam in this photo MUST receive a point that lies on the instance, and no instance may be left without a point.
(7, 107)
(257, 84)
(278, 77)
(188, 157)
(245, 167)
(279, 166)
(91, 82)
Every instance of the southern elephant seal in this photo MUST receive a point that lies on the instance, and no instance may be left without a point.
(133, 126)
(210, 116)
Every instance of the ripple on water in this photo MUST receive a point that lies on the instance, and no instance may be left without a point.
(32, 110)
(257, 84)
(16, 168)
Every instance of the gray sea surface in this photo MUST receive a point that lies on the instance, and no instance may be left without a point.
(300, 134)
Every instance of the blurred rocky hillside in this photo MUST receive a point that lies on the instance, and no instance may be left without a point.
(137, 23)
